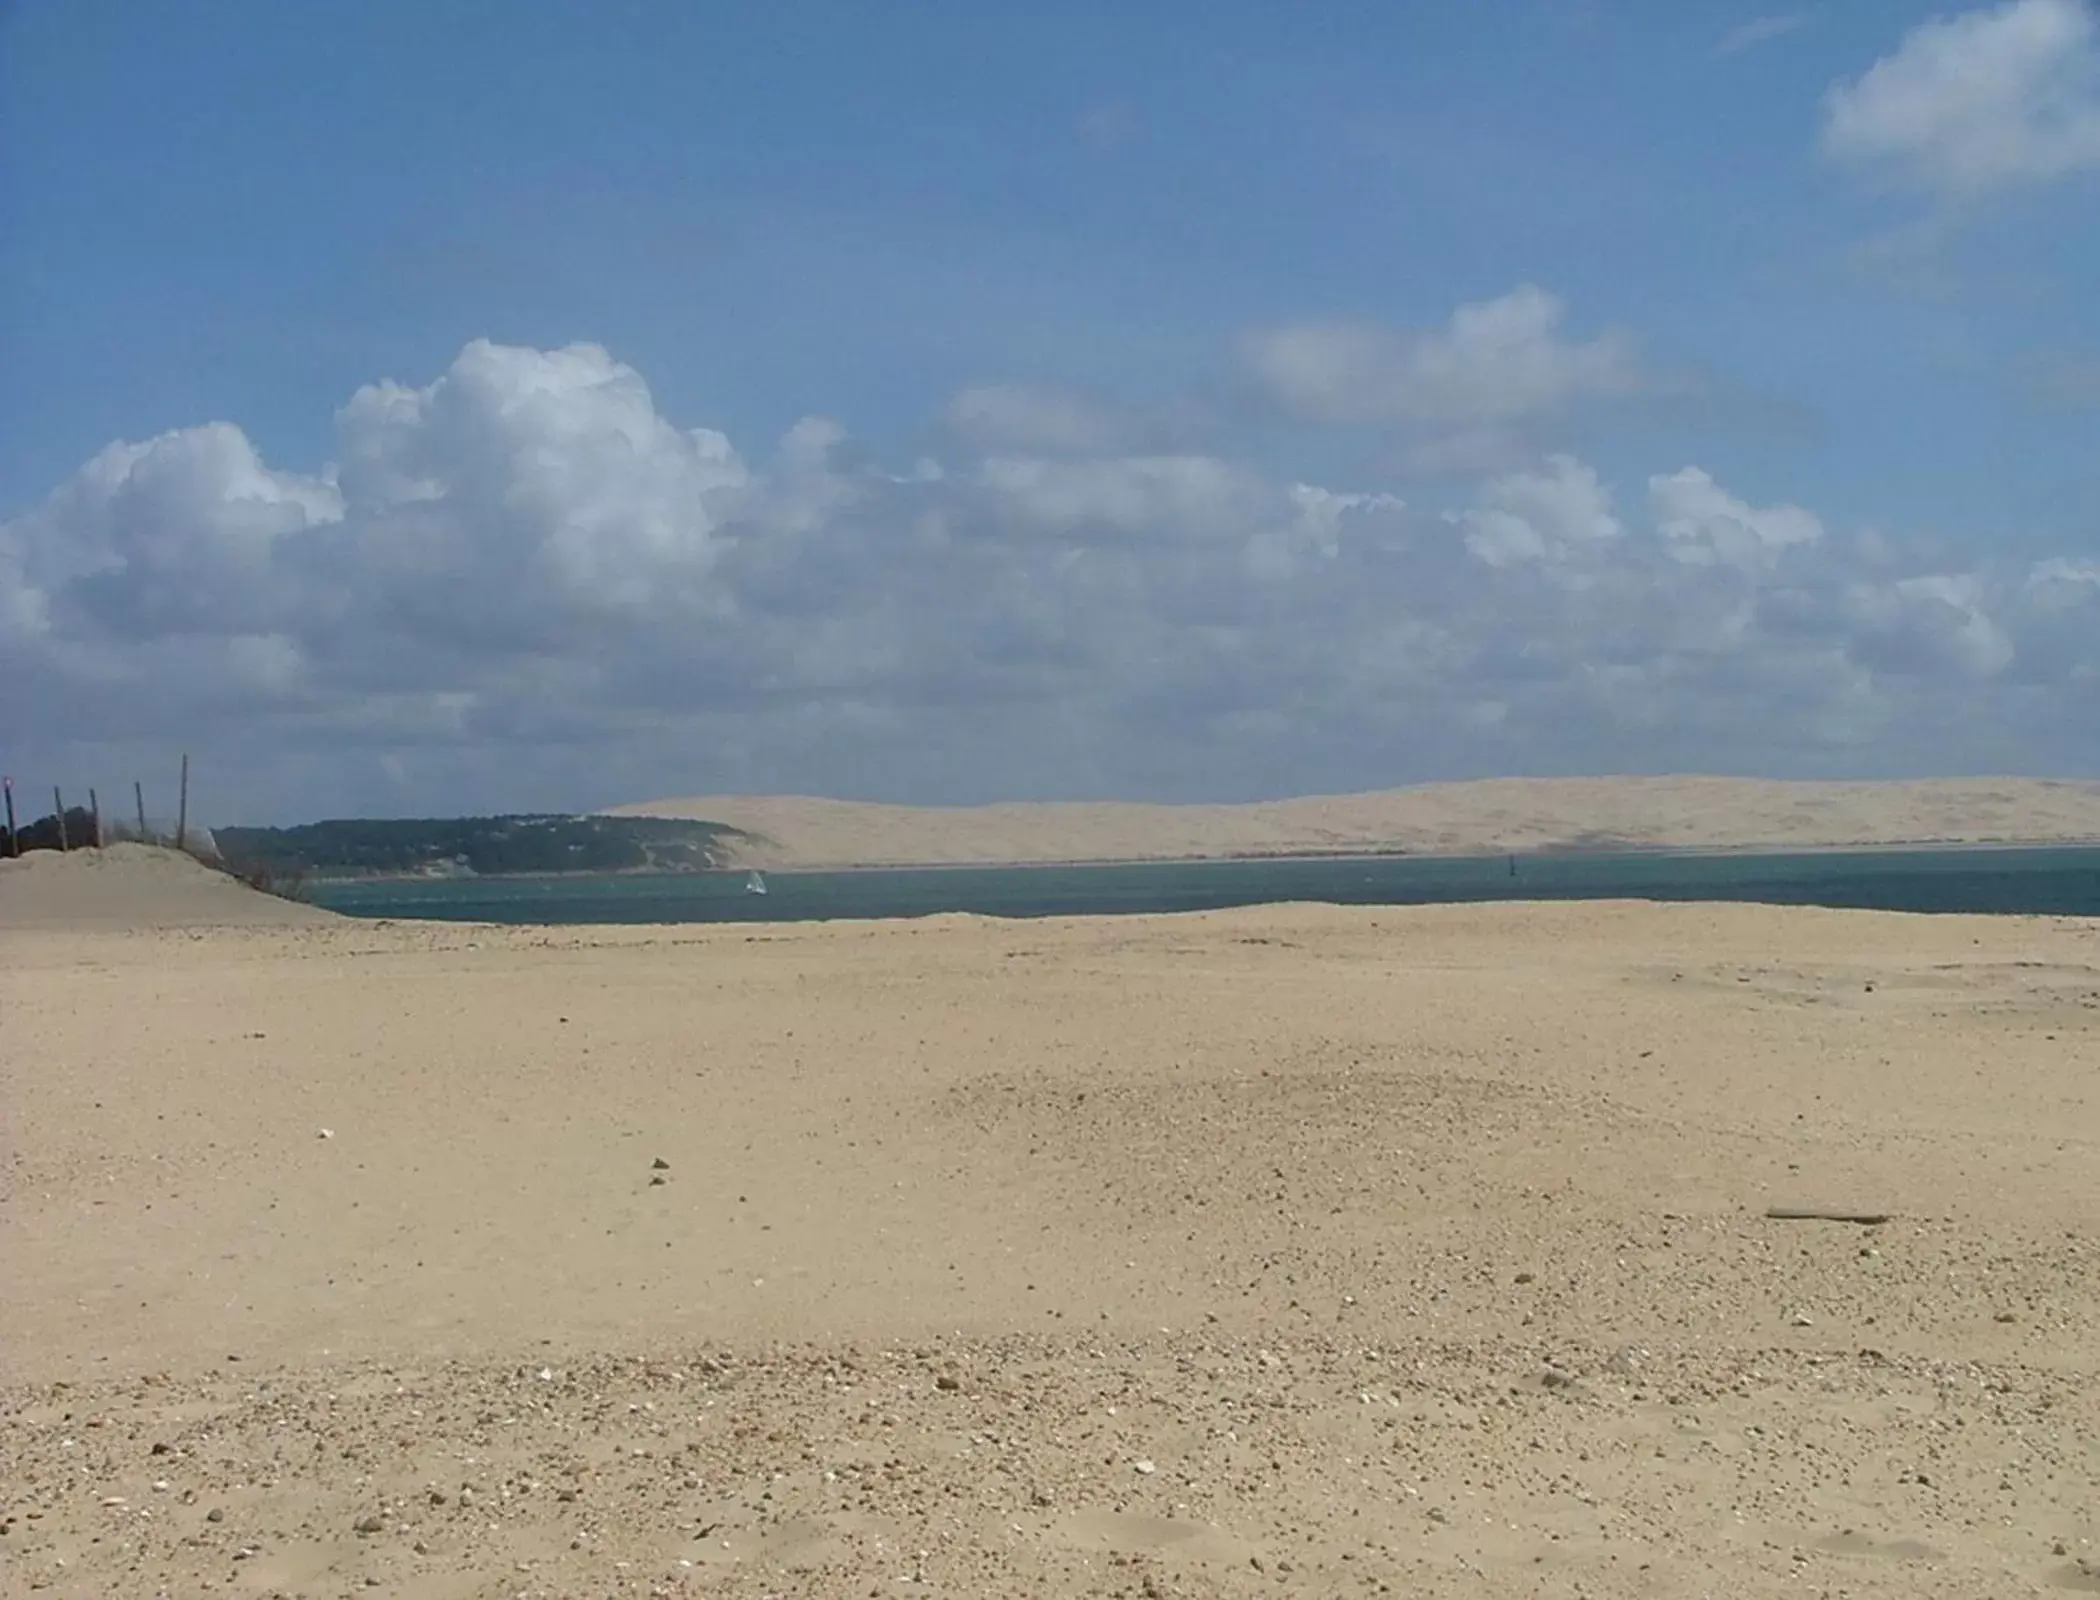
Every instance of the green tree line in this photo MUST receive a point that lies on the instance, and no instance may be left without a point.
(485, 846)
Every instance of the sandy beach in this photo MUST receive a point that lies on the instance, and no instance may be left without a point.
(1297, 1250)
(1486, 817)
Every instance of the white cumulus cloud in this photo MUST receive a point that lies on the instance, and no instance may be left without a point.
(556, 458)
(1985, 100)
(1537, 514)
(1704, 523)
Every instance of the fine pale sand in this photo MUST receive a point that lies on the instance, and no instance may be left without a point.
(1293, 1251)
(1488, 817)
(134, 886)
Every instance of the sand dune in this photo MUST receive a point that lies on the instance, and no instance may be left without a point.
(1490, 817)
(1298, 1250)
(135, 886)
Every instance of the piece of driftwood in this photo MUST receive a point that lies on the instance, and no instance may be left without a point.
(1866, 1219)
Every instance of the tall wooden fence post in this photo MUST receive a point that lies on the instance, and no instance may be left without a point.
(58, 806)
(138, 793)
(95, 811)
(14, 840)
(182, 807)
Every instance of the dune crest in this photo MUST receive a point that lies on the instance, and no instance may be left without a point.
(1478, 818)
(135, 886)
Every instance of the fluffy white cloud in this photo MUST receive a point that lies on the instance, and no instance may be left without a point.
(2064, 579)
(177, 534)
(1705, 524)
(1536, 515)
(556, 459)
(521, 585)
(1498, 361)
(2005, 95)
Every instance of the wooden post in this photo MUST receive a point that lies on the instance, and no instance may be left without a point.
(182, 807)
(58, 806)
(14, 840)
(138, 793)
(95, 811)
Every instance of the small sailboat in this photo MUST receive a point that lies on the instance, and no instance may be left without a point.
(755, 883)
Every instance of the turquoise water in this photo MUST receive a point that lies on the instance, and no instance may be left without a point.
(2058, 881)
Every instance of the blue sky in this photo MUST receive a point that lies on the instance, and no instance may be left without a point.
(1830, 258)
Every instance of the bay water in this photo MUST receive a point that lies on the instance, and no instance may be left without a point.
(2055, 881)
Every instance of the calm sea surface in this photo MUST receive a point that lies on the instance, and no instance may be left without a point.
(2057, 881)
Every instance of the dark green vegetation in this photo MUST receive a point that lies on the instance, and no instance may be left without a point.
(481, 846)
(74, 831)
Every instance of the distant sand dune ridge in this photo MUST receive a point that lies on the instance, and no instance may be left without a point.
(1486, 817)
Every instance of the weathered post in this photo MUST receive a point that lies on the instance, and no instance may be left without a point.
(138, 793)
(14, 840)
(182, 807)
(58, 808)
(95, 811)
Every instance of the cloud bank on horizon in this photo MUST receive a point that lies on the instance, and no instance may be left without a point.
(518, 582)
